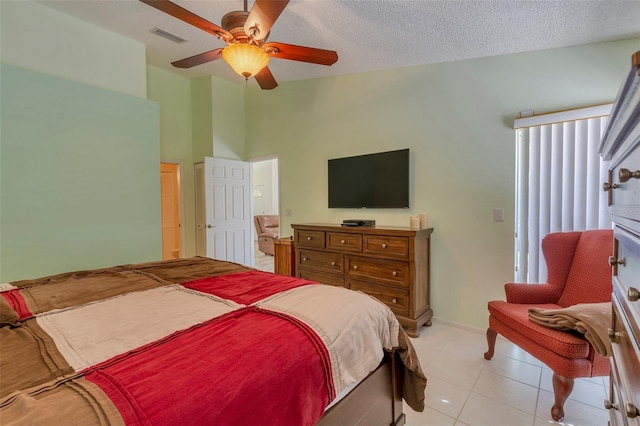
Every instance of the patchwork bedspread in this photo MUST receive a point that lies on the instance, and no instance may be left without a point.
(191, 340)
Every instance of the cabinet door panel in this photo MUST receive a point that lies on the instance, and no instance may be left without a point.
(396, 299)
(344, 242)
(320, 260)
(385, 245)
(376, 270)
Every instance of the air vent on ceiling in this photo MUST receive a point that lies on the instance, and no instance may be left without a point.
(168, 35)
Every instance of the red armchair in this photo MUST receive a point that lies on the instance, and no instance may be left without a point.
(578, 272)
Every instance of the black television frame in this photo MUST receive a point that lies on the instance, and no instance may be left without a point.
(379, 180)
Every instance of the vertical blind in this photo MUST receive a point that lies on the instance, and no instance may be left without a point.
(559, 176)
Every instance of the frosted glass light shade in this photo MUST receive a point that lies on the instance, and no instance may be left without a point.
(245, 59)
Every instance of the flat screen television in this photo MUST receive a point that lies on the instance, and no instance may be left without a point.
(376, 181)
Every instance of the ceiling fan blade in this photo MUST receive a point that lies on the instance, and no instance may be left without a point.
(202, 58)
(265, 79)
(189, 17)
(262, 16)
(300, 53)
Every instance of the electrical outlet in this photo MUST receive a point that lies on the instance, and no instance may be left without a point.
(498, 215)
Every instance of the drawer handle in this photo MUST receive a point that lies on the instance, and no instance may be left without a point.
(626, 174)
(633, 294)
(632, 410)
(394, 300)
(333, 263)
(394, 273)
(304, 259)
(613, 261)
(613, 335)
(610, 405)
(355, 266)
(342, 241)
(308, 238)
(384, 245)
(609, 186)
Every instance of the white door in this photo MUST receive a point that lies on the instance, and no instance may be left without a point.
(227, 185)
(200, 206)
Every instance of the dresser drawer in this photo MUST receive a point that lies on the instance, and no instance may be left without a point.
(322, 277)
(396, 299)
(626, 354)
(311, 239)
(321, 260)
(345, 242)
(626, 273)
(386, 246)
(388, 272)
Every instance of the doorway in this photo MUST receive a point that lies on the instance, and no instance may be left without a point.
(170, 209)
(265, 200)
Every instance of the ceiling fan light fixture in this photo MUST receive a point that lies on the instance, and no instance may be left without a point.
(245, 59)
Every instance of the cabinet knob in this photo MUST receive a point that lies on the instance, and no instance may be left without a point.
(342, 241)
(355, 266)
(304, 259)
(613, 261)
(394, 300)
(632, 410)
(384, 245)
(633, 294)
(626, 174)
(333, 263)
(613, 335)
(609, 186)
(308, 238)
(394, 273)
(610, 405)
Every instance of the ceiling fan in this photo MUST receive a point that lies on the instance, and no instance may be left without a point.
(245, 33)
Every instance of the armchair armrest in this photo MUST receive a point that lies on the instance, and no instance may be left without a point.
(531, 293)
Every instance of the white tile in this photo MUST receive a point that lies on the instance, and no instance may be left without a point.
(482, 411)
(429, 417)
(515, 369)
(575, 413)
(461, 368)
(507, 391)
(445, 397)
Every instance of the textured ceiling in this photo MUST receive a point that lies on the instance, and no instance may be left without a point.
(372, 34)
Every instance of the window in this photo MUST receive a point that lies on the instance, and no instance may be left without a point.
(559, 176)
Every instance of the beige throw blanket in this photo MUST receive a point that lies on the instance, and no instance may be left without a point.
(590, 319)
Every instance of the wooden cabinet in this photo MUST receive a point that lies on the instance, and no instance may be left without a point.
(283, 257)
(391, 264)
(621, 145)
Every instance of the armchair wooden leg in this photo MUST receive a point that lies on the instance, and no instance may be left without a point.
(562, 387)
(491, 341)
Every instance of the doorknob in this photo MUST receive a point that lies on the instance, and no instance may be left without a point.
(210, 226)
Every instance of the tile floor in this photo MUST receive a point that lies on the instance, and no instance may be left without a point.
(513, 389)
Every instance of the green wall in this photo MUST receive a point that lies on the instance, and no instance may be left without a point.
(457, 120)
(173, 94)
(79, 176)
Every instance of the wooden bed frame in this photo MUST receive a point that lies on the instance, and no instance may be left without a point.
(377, 400)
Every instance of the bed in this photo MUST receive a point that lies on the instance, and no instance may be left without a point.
(200, 341)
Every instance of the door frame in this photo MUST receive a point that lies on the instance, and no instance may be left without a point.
(181, 217)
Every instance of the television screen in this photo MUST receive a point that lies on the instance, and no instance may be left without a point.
(379, 180)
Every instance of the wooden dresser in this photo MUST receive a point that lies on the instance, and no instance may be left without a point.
(391, 264)
(621, 145)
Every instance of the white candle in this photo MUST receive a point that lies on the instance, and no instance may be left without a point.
(423, 220)
(414, 222)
